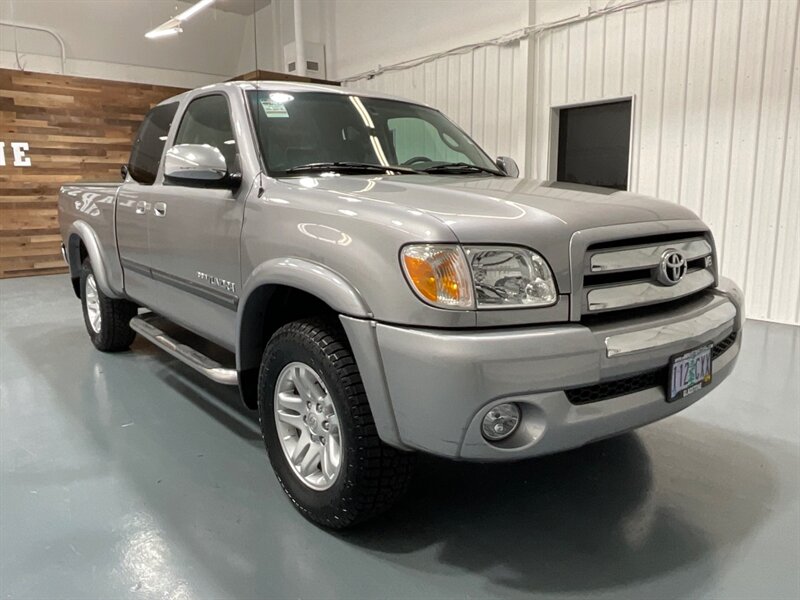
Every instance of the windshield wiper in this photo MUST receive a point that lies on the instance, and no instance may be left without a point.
(461, 167)
(349, 166)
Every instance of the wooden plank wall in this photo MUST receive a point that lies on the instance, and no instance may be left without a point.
(79, 130)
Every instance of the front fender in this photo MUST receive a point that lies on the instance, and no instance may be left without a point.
(304, 275)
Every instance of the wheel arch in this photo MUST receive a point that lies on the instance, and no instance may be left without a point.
(82, 242)
(280, 291)
(76, 253)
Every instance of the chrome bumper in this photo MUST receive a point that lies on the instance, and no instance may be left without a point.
(646, 340)
(429, 389)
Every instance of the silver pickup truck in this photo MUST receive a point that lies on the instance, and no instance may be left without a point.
(376, 285)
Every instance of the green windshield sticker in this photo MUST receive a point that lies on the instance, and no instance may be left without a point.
(274, 110)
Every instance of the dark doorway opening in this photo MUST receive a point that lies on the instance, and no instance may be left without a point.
(594, 144)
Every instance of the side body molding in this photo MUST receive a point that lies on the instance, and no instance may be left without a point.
(304, 275)
(80, 231)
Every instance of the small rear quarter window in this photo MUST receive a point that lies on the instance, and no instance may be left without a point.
(149, 143)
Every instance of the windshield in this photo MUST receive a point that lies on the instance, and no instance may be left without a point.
(305, 131)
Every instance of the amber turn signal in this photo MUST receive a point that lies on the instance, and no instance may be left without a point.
(439, 274)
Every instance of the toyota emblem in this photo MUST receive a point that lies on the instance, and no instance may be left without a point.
(672, 267)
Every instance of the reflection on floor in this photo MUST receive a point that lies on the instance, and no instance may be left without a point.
(130, 476)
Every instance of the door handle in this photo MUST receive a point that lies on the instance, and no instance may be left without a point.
(160, 209)
(141, 207)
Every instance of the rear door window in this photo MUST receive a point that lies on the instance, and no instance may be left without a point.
(149, 143)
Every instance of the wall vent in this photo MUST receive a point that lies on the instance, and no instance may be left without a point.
(315, 59)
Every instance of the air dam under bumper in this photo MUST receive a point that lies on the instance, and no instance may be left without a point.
(429, 389)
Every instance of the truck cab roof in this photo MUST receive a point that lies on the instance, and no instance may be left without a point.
(289, 87)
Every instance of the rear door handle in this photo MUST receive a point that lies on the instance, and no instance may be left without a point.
(141, 207)
(160, 209)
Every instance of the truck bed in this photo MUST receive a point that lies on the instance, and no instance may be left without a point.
(90, 209)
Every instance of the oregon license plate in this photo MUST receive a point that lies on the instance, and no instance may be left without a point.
(689, 372)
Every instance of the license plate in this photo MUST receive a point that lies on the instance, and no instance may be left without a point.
(689, 372)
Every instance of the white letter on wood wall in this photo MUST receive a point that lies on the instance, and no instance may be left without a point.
(19, 149)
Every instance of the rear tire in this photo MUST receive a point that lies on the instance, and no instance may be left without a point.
(107, 319)
(369, 475)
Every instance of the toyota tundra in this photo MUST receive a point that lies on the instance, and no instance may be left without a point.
(377, 286)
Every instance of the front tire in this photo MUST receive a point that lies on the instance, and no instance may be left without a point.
(107, 319)
(319, 431)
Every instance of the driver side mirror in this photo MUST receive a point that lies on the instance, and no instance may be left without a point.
(199, 165)
(507, 165)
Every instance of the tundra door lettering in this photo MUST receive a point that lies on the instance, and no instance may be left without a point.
(228, 286)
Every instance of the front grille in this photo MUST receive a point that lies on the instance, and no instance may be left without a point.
(606, 390)
(617, 387)
(722, 346)
(624, 274)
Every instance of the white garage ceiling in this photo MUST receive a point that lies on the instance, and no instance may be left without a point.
(241, 7)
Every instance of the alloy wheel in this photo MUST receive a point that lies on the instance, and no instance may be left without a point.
(307, 425)
(93, 304)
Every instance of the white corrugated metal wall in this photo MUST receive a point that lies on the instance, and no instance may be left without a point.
(483, 91)
(715, 127)
(716, 119)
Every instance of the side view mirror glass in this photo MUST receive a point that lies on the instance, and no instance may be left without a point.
(507, 165)
(198, 164)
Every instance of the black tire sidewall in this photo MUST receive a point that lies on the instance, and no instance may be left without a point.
(115, 333)
(283, 349)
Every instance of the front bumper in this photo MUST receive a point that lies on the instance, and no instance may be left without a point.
(429, 389)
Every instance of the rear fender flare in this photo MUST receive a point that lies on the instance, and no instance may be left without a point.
(80, 231)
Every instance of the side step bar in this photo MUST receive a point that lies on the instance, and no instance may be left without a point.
(189, 356)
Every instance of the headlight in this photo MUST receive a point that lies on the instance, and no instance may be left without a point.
(439, 274)
(449, 276)
(507, 277)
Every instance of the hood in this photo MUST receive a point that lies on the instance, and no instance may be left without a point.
(477, 207)
(541, 215)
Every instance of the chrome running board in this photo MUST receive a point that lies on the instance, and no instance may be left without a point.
(143, 325)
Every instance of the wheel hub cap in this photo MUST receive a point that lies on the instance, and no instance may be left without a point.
(307, 425)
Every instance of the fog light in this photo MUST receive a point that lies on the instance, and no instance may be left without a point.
(500, 422)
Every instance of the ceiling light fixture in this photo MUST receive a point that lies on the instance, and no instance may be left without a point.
(173, 25)
(194, 9)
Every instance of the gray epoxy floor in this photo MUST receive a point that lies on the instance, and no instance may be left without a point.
(129, 476)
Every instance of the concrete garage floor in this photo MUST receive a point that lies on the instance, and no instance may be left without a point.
(129, 476)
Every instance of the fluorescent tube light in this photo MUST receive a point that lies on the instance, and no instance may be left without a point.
(194, 9)
(173, 25)
(164, 31)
